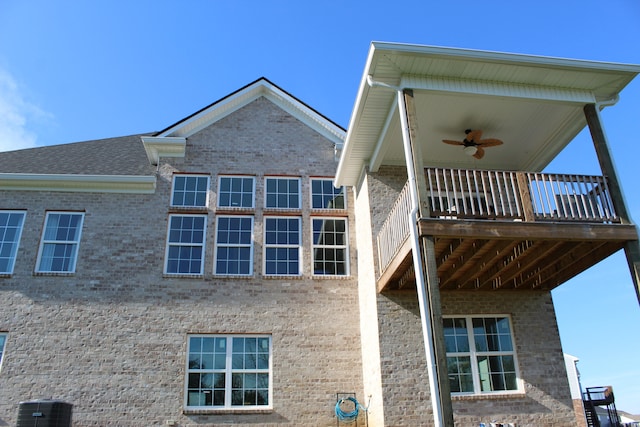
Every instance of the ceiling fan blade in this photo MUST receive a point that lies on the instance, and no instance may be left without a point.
(490, 142)
(474, 135)
(479, 153)
(448, 141)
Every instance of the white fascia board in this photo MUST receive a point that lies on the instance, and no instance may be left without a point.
(166, 146)
(554, 94)
(127, 184)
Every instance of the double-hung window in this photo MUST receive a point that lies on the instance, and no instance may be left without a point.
(481, 356)
(185, 244)
(190, 190)
(227, 371)
(234, 245)
(282, 249)
(282, 193)
(330, 246)
(236, 192)
(11, 223)
(60, 242)
(325, 196)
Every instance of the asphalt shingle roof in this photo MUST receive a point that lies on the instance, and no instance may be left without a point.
(112, 156)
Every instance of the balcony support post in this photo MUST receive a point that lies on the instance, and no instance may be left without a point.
(632, 247)
(425, 268)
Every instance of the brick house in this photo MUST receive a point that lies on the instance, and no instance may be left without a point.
(212, 274)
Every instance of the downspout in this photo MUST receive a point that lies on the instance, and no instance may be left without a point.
(425, 314)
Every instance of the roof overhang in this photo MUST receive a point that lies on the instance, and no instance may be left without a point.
(132, 184)
(534, 104)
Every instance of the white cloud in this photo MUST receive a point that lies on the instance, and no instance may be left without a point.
(16, 115)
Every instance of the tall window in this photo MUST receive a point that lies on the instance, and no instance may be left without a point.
(3, 339)
(228, 372)
(236, 192)
(282, 193)
(480, 355)
(282, 245)
(190, 190)
(185, 244)
(60, 242)
(11, 223)
(330, 248)
(325, 196)
(234, 245)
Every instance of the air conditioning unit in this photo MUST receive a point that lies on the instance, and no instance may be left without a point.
(44, 413)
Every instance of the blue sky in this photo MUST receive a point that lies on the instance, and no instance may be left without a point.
(81, 70)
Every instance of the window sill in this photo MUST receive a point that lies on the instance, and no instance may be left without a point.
(54, 273)
(502, 396)
(331, 277)
(227, 411)
(182, 276)
(282, 277)
(5, 275)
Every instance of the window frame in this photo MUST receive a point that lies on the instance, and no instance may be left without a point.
(170, 244)
(218, 245)
(344, 247)
(288, 194)
(342, 189)
(228, 372)
(196, 177)
(14, 245)
(267, 246)
(74, 243)
(3, 343)
(231, 192)
(474, 355)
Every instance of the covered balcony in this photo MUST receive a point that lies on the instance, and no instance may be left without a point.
(498, 230)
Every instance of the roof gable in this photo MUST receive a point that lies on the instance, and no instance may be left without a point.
(238, 99)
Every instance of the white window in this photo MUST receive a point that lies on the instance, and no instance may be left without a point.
(325, 196)
(236, 192)
(234, 245)
(11, 223)
(185, 244)
(330, 247)
(480, 355)
(282, 193)
(225, 371)
(60, 242)
(282, 236)
(190, 190)
(3, 339)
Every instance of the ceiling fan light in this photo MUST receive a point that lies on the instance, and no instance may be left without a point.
(470, 150)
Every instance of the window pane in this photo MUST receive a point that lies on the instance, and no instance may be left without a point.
(236, 192)
(329, 247)
(10, 231)
(234, 240)
(325, 196)
(185, 244)
(282, 246)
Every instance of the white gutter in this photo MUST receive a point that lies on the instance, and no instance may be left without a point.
(425, 314)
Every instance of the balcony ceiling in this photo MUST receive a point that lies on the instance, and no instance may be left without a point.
(533, 104)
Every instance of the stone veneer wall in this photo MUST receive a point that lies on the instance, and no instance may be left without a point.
(111, 338)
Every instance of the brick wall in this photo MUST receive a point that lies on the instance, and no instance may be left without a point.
(111, 339)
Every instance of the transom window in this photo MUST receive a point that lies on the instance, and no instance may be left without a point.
(11, 223)
(60, 242)
(330, 249)
(282, 193)
(185, 244)
(190, 190)
(234, 245)
(480, 355)
(236, 192)
(228, 372)
(282, 248)
(325, 196)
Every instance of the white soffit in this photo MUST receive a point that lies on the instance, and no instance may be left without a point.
(237, 100)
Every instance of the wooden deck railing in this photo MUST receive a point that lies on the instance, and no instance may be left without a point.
(519, 196)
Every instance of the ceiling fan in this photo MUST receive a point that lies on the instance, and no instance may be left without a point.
(474, 144)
